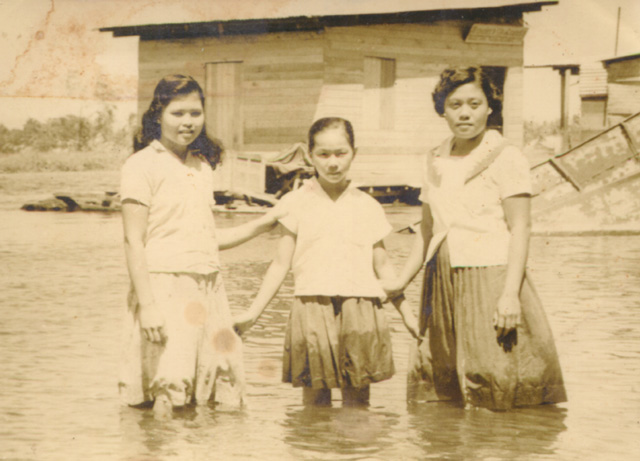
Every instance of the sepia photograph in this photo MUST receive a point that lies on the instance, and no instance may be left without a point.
(319, 230)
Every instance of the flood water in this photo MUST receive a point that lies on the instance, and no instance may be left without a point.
(63, 285)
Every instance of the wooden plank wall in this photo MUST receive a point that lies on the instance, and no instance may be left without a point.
(624, 99)
(291, 79)
(421, 52)
(282, 77)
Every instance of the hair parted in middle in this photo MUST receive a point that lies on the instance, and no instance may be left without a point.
(327, 123)
(167, 89)
(452, 78)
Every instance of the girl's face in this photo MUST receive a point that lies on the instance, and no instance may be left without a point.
(332, 156)
(181, 122)
(466, 110)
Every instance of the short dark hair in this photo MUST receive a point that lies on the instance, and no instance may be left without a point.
(452, 78)
(167, 90)
(331, 122)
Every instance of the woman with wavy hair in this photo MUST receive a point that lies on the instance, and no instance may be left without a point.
(486, 338)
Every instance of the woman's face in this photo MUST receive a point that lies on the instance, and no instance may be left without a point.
(466, 110)
(181, 122)
(332, 156)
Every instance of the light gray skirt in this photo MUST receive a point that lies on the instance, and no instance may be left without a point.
(202, 358)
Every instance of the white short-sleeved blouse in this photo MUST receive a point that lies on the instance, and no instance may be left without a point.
(334, 241)
(181, 229)
(467, 210)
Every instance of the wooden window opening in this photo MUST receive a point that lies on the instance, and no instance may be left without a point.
(379, 94)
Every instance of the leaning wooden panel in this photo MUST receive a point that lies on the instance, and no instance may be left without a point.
(597, 155)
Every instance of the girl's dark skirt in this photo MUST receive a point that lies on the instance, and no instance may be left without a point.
(336, 342)
(461, 358)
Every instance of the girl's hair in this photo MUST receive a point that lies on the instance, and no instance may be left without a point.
(331, 122)
(452, 78)
(167, 90)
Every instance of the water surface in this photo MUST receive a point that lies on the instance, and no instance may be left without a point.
(62, 291)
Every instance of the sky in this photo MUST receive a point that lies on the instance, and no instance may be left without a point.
(53, 59)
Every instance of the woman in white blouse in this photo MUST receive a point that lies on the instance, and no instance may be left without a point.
(487, 341)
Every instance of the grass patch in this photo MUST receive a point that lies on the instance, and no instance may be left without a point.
(106, 157)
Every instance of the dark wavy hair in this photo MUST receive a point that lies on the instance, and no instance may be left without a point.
(166, 91)
(452, 78)
(331, 122)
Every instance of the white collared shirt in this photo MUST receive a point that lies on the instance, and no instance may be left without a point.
(181, 229)
(334, 241)
(470, 216)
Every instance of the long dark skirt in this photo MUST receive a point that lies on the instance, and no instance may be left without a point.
(461, 358)
(336, 342)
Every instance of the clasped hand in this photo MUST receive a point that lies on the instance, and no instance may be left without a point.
(243, 322)
(392, 287)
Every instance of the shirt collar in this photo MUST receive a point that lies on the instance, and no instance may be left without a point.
(160, 148)
(491, 139)
(314, 185)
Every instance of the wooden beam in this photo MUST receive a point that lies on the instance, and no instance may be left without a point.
(633, 145)
(565, 174)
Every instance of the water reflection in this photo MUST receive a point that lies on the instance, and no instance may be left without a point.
(483, 434)
(339, 431)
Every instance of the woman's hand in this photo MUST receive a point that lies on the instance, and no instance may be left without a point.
(406, 313)
(152, 324)
(411, 323)
(243, 322)
(508, 314)
(392, 287)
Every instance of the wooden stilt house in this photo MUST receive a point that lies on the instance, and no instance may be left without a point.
(270, 68)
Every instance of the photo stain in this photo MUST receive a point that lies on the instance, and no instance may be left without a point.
(269, 368)
(13, 76)
(225, 340)
(195, 314)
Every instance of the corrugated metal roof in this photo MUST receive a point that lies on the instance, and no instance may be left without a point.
(161, 12)
(593, 80)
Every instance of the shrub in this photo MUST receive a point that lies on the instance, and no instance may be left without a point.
(68, 143)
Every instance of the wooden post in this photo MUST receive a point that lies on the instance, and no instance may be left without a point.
(564, 107)
(512, 118)
(615, 52)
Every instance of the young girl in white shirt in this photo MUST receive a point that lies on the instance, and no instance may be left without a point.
(179, 345)
(332, 238)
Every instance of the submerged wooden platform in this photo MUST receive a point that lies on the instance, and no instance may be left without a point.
(90, 201)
